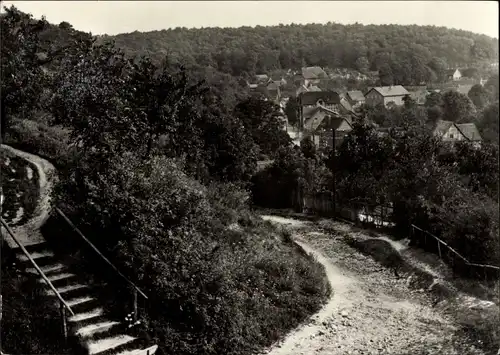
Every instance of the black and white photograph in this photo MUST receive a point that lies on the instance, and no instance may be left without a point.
(249, 178)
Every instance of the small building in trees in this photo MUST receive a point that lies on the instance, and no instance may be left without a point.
(313, 75)
(383, 95)
(320, 112)
(453, 74)
(355, 98)
(311, 101)
(321, 130)
(303, 88)
(453, 132)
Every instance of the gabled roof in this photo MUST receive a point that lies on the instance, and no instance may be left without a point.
(261, 77)
(313, 123)
(470, 131)
(442, 127)
(345, 104)
(312, 97)
(388, 91)
(355, 95)
(313, 73)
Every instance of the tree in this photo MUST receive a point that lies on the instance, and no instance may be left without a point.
(291, 111)
(386, 75)
(471, 73)
(439, 66)
(492, 87)
(362, 64)
(457, 107)
(488, 124)
(264, 123)
(434, 99)
(22, 64)
(479, 96)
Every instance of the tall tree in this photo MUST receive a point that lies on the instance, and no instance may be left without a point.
(479, 96)
(457, 107)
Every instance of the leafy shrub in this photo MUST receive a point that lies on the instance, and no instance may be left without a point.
(214, 290)
(50, 142)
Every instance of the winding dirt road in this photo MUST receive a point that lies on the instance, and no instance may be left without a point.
(370, 311)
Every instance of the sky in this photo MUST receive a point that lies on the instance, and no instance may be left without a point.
(113, 17)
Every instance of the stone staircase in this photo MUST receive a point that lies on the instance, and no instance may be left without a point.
(96, 332)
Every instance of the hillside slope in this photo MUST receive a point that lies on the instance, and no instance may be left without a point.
(246, 49)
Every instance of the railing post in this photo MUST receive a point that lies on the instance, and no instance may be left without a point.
(135, 305)
(62, 310)
(439, 249)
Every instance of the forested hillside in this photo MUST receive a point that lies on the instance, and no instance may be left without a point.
(422, 52)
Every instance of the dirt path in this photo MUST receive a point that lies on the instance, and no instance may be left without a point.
(28, 233)
(370, 312)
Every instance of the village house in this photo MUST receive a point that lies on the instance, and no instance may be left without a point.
(385, 95)
(313, 75)
(453, 74)
(258, 80)
(310, 102)
(320, 112)
(453, 132)
(355, 98)
(303, 88)
(322, 135)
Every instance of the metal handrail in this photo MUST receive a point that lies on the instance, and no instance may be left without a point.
(42, 274)
(467, 262)
(99, 253)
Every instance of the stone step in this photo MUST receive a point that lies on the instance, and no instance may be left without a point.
(47, 268)
(37, 255)
(91, 329)
(79, 300)
(148, 351)
(101, 345)
(97, 312)
(57, 277)
(67, 288)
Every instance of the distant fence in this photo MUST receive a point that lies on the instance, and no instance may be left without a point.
(446, 253)
(355, 211)
(379, 216)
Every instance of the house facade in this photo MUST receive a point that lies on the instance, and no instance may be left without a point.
(355, 98)
(453, 74)
(384, 95)
(309, 102)
(322, 136)
(452, 132)
(313, 76)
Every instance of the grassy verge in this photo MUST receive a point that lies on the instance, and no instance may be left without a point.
(273, 287)
(19, 181)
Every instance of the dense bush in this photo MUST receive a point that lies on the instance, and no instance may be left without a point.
(51, 142)
(214, 289)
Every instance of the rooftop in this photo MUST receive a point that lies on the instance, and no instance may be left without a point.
(356, 95)
(396, 90)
